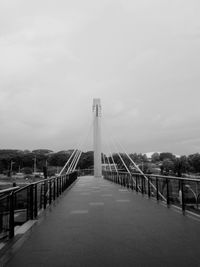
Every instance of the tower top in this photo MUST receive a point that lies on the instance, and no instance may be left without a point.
(96, 101)
(97, 106)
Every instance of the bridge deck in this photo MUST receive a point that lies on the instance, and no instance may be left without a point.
(98, 223)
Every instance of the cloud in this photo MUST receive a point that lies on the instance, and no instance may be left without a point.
(57, 57)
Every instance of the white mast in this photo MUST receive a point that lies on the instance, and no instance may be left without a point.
(97, 137)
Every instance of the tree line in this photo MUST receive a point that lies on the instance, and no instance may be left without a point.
(26, 161)
(166, 162)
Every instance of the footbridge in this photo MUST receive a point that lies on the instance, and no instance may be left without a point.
(101, 216)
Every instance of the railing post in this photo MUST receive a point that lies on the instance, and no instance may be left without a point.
(168, 200)
(136, 183)
(60, 185)
(157, 191)
(45, 195)
(131, 179)
(127, 180)
(65, 182)
(31, 202)
(50, 192)
(35, 204)
(57, 184)
(149, 187)
(11, 216)
(54, 189)
(41, 195)
(66, 185)
(142, 180)
(183, 197)
(144, 186)
(124, 180)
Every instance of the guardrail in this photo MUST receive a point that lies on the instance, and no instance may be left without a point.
(7, 191)
(23, 204)
(178, 191)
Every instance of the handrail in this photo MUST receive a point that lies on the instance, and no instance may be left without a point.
(161, 176)
(42, 181)
(161, 187)
(18, 189)
(31, 198)
(169, 177)
(10, 189)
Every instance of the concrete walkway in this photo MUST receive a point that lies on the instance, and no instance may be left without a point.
(98, 223)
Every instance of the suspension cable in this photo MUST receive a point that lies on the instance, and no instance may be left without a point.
(121, 159)
(141, 172)
(67, 162)
(79, 152)
(77, 160)
(73, 161)
(112, 159)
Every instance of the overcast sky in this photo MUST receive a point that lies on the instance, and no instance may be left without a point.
(141, 57)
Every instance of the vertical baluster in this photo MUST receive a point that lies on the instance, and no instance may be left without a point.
(183, 196)
(142, 181)
(157, 189)
(50, 192)
(45, 195)
(11, 216)
(168, 197)
(54, 189)
(35, 203)
(149, 187)
(136, 181)
(57, 184)
(31, 202)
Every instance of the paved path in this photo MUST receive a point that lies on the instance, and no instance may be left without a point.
(98, 223)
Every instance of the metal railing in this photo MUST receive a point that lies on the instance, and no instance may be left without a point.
(178, 191)
(7, 191)
(23, 204)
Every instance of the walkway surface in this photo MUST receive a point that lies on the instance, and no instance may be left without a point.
(97, 223)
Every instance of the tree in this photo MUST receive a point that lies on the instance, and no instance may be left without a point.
(42, 151)
(181, 165)
(139, 158)
(167, 165)
(194, 161)
(58, 159)
(86, 160)
(167, 155)
(155, 157)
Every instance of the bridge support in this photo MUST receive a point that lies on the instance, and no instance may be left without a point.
(97, 137)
